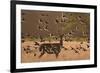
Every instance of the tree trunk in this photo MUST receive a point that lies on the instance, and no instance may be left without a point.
(41, 39)
(61, 40)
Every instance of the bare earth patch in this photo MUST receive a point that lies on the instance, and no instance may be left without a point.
(71, 51)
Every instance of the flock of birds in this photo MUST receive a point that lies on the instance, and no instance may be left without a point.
(54, 48)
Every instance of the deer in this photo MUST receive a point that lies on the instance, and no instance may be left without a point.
(50, 48)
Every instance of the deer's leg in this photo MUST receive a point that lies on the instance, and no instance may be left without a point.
(56, 52)
(41, 54)
(57, 55)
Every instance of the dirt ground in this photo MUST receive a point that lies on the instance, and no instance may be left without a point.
(64, 55)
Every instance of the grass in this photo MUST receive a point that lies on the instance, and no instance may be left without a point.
(53, 39)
